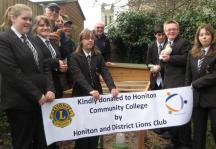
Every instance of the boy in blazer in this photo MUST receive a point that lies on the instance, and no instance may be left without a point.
(173, 64)
(153, 62)
(152, 59)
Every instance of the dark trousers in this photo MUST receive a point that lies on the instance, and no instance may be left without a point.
(26, 129)
(158, 130)
(181, 135)
(87, 143)
(200, 119)
(58, 89)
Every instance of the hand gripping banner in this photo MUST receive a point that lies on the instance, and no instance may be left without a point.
(73, 118)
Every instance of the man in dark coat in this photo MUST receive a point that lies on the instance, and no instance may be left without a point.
(102, 42)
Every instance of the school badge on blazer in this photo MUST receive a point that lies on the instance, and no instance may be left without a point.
(61, 115)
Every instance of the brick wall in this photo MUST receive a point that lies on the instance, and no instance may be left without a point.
(73, 10)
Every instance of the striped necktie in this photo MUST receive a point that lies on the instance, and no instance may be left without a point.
(170, 43)
(200, 61)
(90, 72)
(52, 51)
(160, 47)
(31, 47)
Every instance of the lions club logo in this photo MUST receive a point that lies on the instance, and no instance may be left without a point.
(61, 115)
(174, 102)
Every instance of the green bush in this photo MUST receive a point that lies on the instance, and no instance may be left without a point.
(133, 30)
(190, 20)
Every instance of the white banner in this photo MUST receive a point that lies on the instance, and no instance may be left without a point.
(72, 118)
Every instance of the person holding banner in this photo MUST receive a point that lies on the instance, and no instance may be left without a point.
(26, 82)
(86, 65)
(173, 64)
(201, 74)
(41, 29)
(153, 62)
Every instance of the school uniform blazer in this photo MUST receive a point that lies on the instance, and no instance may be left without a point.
(153, 58)
(152, 54)
(203, 81)
(81, 77)
(53, 63)
(23, 82)
(174, 70)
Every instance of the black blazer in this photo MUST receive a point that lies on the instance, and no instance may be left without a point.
(153, 58)
(81, 77)
(152, 54)
(203, 81)
(103, 45)
(23, 82)
(175, 69)
(53, 63)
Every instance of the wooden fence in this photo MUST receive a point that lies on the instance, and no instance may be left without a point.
(4, 4)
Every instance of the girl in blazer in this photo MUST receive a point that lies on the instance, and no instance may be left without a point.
(201, 74)
(26, 83)
(86, 65)
(41, 30)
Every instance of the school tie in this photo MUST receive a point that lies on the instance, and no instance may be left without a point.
(160, 47)
(52, 51)
(90, 72)
(159, 78)
(200, 61)
(170, 43)
(31, 47)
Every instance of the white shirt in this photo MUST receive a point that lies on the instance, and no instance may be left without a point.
(32, 48)
(16, 32)
(44, 41)
(86, 54)
(206, 49)
(201, 59)
(158, 45)
(170, 41)
(159, 80)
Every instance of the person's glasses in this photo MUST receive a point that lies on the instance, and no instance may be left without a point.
(54, 9)
(100, 27)
(172, 29)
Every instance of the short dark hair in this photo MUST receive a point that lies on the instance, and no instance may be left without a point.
(158, 29)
